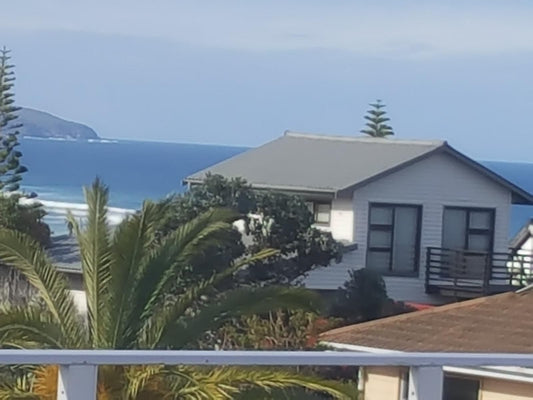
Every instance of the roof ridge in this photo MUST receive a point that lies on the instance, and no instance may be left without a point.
(414, 314)
(367, 139)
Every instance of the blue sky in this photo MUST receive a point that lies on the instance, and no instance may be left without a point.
(242, 72)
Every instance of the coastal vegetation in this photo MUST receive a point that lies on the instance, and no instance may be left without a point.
(141, 295)
(363, 297)
(11, 169)
(26, 218)
(377, 121)
(270, 219)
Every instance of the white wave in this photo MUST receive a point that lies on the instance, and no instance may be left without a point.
(57, 139)
(102, 141)
(58, 210)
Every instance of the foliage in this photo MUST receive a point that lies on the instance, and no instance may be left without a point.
(270, 219)
(10, 167)
(376, 125)
(279, 330)
(25, 218)
(364, 297)
(137, 299)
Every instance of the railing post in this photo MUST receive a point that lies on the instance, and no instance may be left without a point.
(487, 273)
(77, 382)
(425, 383)
(428, 260)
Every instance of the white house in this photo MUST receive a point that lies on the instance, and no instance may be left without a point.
(433, 221)
(522, 243)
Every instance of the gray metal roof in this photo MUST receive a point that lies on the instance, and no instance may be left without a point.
(332, 164)
(320, 163)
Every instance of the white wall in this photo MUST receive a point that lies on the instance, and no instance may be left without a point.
(341, 225)
(433, 183)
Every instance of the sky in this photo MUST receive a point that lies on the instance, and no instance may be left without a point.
(242, 72)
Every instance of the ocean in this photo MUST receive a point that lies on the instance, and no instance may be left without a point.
(134, 171)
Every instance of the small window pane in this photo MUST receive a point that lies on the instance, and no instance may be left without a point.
(378, 260)
(480, 220)
(380, 239)
(478, 242)
(460, 389)
(454, 229)
(381, 215)
(405, 239)
(323, 213)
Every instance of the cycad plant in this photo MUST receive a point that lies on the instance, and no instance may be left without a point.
(140, 295)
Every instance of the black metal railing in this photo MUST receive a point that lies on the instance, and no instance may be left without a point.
(475, 272)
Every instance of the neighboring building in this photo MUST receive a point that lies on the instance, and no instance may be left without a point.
(403, 207)
(522, 243)
(432, 220)
(495, 324)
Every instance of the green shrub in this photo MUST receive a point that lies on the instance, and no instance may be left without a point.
(25, 218)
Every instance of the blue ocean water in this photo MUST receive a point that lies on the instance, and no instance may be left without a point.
(134, 171)
(150, 170)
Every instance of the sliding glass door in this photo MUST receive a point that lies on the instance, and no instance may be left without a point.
(467, 237)
(394, 238)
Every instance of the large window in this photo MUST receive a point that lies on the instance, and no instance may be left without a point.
(321, 212)
(394, 238)
(468, 229)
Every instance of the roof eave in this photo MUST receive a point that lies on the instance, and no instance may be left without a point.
(299, 189)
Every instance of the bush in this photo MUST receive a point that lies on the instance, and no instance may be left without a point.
(281, 330)
(25, 218)
(364, 297)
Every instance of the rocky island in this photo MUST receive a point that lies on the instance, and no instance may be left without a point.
(44, 125)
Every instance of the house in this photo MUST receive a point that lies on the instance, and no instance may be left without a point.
(431, 220)
(522, 243)
(494, 324)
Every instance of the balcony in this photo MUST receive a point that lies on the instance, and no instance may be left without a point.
(467, 274)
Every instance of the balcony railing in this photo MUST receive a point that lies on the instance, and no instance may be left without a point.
(468, 273)
(78, 368)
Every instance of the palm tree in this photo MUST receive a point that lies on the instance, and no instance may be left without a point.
(139, 297)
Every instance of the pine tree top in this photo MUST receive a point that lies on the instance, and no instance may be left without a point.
(376, 125)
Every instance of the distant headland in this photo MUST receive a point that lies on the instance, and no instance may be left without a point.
(40, 124)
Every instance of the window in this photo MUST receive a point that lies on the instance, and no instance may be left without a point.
(321, 212)
(394, 238)
(468, 229)
(460, 388)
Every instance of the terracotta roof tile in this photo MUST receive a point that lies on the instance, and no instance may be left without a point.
(498, 324)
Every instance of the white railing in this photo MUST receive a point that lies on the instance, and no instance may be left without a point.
(78, 368)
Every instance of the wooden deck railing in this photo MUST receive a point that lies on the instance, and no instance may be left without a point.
(478, 273)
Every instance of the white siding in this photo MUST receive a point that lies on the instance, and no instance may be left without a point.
(342, 227)
(433, 183)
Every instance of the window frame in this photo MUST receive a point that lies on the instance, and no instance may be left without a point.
(315, 206)
(474, 231)
(390, 228)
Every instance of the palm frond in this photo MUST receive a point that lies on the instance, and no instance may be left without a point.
(224, 383)
(29, 327)
(24, 254)
(95, 256)
(138, 377)
(158, 273)
(239, 302)
(132, 241)
(163, 315)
